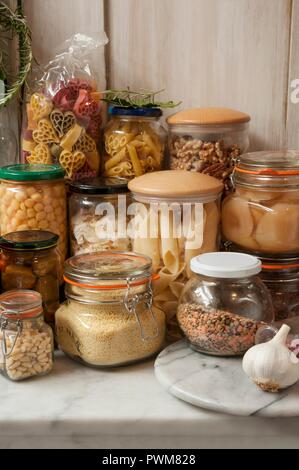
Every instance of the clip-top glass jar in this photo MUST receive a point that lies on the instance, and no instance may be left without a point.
(262, 214)
(30, 260)
(222, 307)
(108, 319)
(97, 208)
(26, 342)
(33, 197)
(134, 142)
(207, 140)
(280, 274)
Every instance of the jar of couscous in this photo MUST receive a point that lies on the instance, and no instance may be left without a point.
(108, 318)
(33, 197)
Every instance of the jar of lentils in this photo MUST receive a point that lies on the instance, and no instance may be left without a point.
(224, 304)
(30, 260)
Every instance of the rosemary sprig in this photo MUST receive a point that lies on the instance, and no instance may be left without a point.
(136, 99)
(14, 24)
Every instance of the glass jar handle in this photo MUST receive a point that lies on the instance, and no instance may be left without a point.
(131, 304)
(3, 325)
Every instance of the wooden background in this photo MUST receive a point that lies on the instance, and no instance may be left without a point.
(236, 53)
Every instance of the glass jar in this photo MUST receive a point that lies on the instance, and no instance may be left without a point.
(26, 348)
(108, 319)
(266, 332)
(134, 142)
(222, 307)
(30, 260)
(207, 140)
(98, 215)
(33, 197)
(281, 277)
(176, 216)
(263, 213)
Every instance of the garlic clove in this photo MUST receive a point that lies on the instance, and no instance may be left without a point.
(272, 366)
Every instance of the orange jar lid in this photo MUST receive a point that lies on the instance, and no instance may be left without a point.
(208, 116)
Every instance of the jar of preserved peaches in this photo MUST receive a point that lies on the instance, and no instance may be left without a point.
(262, 214)
(134, 142)
(30, 260)
(33, 197)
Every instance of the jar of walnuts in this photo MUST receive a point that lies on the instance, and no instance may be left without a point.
(207, 140)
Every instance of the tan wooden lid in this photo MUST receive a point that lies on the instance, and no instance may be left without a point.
(208, 116)
(175, 183)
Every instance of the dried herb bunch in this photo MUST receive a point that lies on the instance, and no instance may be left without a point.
(14, 24)
(136, 99)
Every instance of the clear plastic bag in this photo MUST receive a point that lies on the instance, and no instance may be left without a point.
(63, 112)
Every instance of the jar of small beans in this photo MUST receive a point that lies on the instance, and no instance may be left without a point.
(224, 304)
(33, 197)
(26, 342)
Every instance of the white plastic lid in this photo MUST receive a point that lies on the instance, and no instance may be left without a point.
(226, 265)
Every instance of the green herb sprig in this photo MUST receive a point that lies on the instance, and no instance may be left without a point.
(14, 24)
(136, 99)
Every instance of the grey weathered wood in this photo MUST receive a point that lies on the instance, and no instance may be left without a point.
(230, 53)
(10, 115)
(54, 21)
(293, 108)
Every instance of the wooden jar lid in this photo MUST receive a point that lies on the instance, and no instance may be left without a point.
(210, 116)
(175, 183)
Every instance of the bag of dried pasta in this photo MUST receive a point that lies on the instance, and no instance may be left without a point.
(63, 111)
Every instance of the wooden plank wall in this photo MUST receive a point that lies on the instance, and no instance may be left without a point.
(10, 115)
(293, 107)
(236, 53)
(232, 53)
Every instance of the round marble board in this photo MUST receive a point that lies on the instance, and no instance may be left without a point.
(219, 384)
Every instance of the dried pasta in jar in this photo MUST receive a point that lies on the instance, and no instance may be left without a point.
(176, 217)
(134, 142)
(97, 206)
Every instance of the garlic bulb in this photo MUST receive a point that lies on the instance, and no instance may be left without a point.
(272, 366)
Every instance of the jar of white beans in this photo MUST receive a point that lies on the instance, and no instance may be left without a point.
(33, 197)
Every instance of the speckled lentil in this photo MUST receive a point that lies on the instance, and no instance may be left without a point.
(217, 332)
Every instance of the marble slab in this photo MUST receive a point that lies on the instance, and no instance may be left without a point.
(219, 384)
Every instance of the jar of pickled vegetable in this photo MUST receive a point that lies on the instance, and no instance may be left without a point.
(33, 197)
(30, 260)
(262, 214)
(134, 141)
(98, 215)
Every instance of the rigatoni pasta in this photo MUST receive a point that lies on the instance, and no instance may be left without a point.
(178, 219)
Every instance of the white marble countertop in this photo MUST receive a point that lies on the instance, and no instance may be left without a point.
(78, 407)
